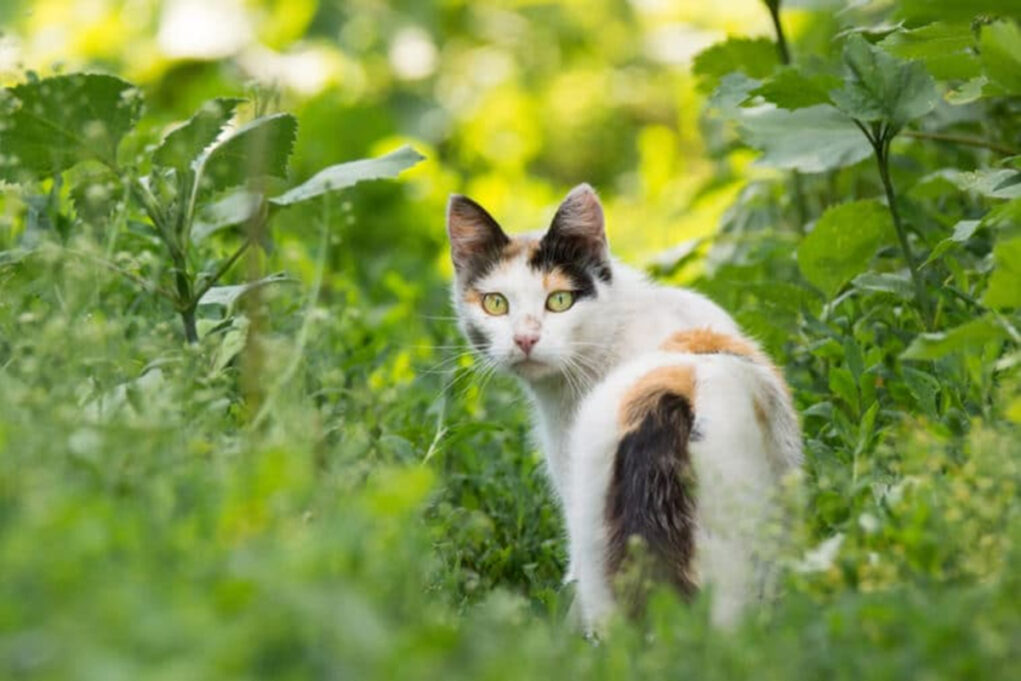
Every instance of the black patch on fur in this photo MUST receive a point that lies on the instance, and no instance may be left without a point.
(575, 257)
(478, 339)
(652, 498)
(486, 249)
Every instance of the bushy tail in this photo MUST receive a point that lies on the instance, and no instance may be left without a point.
(650, 506)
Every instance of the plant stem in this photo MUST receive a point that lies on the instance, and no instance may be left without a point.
(962, 139)
(785, 59)
(221, 270)
(781, 40)
(191, 333)
(881, 146)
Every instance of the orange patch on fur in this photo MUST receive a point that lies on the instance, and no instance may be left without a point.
(709, 342)
(472, 297)
(556, 280)
(518, 247)
(641, 398)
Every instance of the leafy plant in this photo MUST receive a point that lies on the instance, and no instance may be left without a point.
(50, 126)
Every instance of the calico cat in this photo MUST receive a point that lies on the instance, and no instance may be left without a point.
(665, 430)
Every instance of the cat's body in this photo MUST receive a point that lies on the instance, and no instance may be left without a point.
(639, 390)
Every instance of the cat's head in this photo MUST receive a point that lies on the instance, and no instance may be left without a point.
(531, 303)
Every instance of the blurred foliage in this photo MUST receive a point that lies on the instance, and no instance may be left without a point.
(323, 486)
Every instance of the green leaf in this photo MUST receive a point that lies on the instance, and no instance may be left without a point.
(963, 231)
(49, 125)
(813, 139)
(843, 385)
(184, 144)
(1000, 43)
(880, 87)
(970, 337)
(345, 175)
(898, 285)
(94, 196)
(227, 296)
(923, 387)
(843, 242)
(234, 209)
(755, 57)
(733, 91)
(790, 88)
(1004, 289)
(945, 48)
(988, 182)
(257, 149)
(955, 10)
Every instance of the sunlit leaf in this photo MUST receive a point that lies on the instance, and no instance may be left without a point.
(880, 87)
(843, 242)
(47, 126)
(1005, 283)
(898, 285)
(755, 57)
(257, 149)
(183, 145)
(969, 337)
(345, 175)
(236, 208)
(1000, 43)
(812, 139)
(227, 296)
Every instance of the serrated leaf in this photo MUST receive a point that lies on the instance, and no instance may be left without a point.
(184, 144)
(49, 125)
(259, 148)
(1000, 44)
(880, 87)
(790, 88)
(843, 242)
(813, 139)
(969, 337)
(755, 57)
(232, 210)
(345, 175)
(1004, 289)
(227, 296)
(734, 89)
(945, 48)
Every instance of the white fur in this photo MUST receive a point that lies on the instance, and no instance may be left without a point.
(584, 362)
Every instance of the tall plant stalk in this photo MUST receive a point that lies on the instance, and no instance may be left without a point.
(785, 58)
(880, 136)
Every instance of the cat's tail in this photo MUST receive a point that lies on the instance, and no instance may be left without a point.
(673, 462)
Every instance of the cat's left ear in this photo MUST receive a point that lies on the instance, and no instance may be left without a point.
(579, 219)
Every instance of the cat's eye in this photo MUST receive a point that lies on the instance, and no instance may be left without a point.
(494, 304)
(559, 301)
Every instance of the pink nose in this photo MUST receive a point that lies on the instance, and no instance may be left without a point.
(526, 342)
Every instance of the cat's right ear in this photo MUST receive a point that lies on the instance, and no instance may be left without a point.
(475, 237)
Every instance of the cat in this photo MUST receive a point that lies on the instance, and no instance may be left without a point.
(665, 430)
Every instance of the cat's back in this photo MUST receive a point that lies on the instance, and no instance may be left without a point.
(653, 312)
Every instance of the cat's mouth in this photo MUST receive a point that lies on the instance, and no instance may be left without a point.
(531, 368)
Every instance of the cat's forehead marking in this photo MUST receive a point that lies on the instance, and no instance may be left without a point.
(557, 280)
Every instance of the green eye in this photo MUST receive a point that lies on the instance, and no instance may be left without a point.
(559, 301)
(495, 304)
